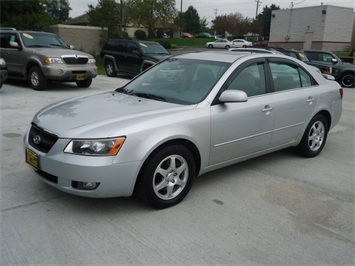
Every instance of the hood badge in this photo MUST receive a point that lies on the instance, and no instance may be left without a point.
(37, 139)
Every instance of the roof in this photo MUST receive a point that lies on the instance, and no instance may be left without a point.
(81, 20)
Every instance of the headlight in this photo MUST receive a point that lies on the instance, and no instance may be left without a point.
(2, 62)
(53, 60)
(91, 61)
(108, 147)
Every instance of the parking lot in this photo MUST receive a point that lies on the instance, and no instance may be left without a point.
(278, 209)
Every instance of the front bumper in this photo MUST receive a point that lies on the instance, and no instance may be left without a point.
(64, 72)
(65, 171)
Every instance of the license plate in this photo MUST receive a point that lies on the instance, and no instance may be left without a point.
(80, 76)
(32, 158)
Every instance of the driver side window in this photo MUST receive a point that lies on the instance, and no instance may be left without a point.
(251, 80)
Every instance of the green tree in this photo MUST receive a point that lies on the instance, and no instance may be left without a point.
(192, 20)
(106, 14)
(234, 24)
(265, 18)
(149, 13)
(33, 15)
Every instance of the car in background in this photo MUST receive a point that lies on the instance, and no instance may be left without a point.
(186, 35)
(219, 43)
(42, 57)
(238, 43)
(203, 35)
(3, 71)
(325, 68)
(185, 116)
(343, 72)
(130, 56)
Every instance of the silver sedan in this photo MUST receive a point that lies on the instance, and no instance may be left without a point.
(185, 116)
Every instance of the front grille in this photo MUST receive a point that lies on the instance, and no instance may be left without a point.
(48, 177)
(75, 60)
(40, 139)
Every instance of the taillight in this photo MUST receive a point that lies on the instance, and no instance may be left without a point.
(341, 93)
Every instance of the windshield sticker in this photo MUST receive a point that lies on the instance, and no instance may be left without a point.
(301, 55)
(142, 44)
(27, 35)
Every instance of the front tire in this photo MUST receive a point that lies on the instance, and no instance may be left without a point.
(84, 83)
(314, 137)
(110, 69)
(36, 79)
(347, 80)
(167, 176)
(210, 46)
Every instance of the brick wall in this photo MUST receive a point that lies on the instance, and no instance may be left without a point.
(84, 38)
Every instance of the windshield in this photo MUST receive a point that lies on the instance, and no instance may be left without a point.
(176, 80)
(46, 40)
(153, 48)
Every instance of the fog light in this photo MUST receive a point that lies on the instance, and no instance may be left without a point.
(85, 185)
(60, 71)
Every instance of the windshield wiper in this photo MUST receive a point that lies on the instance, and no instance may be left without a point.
(148, 96)
(123, 90)
(38, 46)
(58, 45)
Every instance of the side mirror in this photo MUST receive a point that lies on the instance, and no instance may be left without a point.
(328, 77)
(334, 61)
(72, 47)
(136, 52)
(233, 96)
(14, 45)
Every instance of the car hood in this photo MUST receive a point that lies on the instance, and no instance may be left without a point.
(101, 115)
(57, 52)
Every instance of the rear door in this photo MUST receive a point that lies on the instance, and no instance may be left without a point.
(294, 99)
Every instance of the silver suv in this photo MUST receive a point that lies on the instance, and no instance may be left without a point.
(40, 57)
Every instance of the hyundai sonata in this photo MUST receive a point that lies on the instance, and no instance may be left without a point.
(185, 116)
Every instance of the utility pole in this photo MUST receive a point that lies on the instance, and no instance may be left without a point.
(258, 3)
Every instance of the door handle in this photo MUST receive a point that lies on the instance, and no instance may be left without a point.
(267, 109)
(310, 100)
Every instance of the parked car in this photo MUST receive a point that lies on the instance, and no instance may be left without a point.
(343, 72)
(325, 68)
(187, 115)
(130, 56)
(204, 35)
(220, 43)
(237, 43)
(3, 71)
(41, 57)
(186, 35)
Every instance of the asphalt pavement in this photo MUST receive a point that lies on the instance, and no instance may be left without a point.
(278, 209)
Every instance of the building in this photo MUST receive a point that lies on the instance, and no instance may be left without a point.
(323, 27)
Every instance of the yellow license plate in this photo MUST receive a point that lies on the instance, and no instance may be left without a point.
(32, 158)
(80, 77)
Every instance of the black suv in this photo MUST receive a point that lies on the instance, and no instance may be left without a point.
(131, 56)
(40, 57)
(343, 72)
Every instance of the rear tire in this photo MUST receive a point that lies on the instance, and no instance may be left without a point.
(110, 69)
(314, 137)
(167, 176)
(36, 79)
(347, 80)
(84, 83)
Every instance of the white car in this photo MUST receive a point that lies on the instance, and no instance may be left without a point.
(220, 43)
(238, 43)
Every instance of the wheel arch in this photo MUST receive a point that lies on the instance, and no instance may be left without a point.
(183, 142)
(29, 66)
(112, 59)
(327, 117)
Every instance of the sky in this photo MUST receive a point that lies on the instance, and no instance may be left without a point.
(210, 8)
